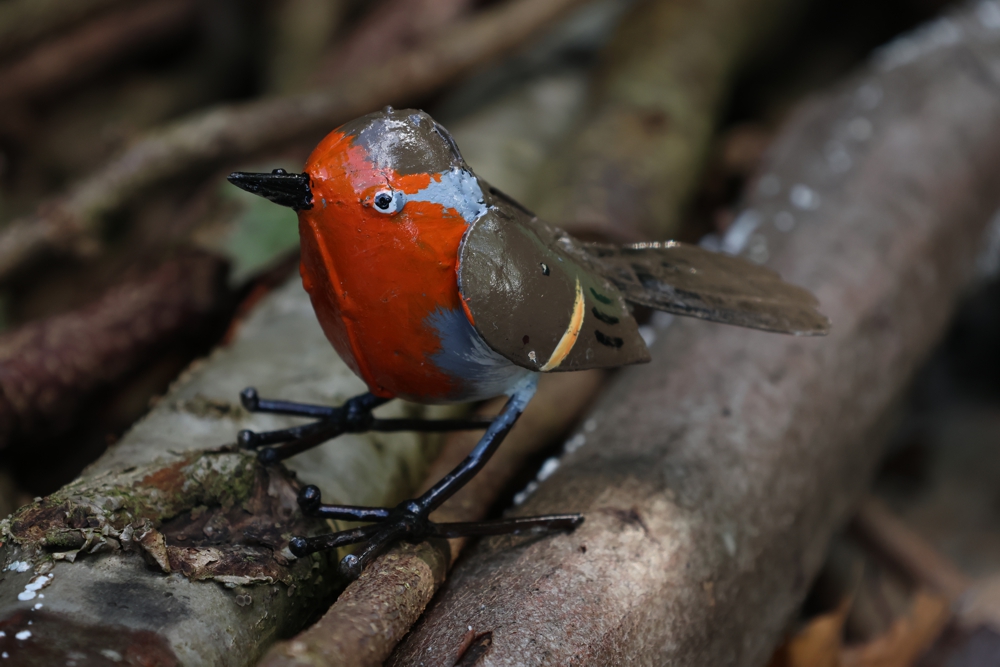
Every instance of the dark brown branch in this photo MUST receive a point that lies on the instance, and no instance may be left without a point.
(716, 475)
(23, 22)
(91, 47)
(49, 368)
(909, 551)
(235, 132)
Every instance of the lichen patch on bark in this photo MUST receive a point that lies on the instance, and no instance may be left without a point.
(211, 515)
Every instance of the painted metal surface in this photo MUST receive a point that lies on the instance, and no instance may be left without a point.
(535, 303)
(435, 287)
(688, 280)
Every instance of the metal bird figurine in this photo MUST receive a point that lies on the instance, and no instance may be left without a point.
(435, 287)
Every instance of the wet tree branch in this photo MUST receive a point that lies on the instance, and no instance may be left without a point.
(716, 475)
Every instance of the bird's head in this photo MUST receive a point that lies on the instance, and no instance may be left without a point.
(390, 167)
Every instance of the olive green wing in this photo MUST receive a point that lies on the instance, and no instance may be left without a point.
(534, 302)
(688, 280)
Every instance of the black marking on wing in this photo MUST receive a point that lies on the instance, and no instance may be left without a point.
(600, 297)
(610, 341)
(604, 317)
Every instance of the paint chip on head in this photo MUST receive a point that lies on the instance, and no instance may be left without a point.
(23, 634)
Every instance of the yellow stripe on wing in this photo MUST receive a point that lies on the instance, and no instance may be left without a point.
(568, 339)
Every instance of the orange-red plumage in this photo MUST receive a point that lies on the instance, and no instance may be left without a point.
(375, 279)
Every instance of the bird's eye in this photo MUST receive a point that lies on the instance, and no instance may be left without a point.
(388, 201)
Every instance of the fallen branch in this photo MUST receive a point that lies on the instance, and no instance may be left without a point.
(235, 132)
(716, 474)
(208, 516)
(908, 551)
(91, 47)
(50, 368)
(378, 609)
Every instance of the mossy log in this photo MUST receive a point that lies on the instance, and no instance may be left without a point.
(170, 549)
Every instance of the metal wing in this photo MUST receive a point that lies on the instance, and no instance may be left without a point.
(536, 303)
(688, 280)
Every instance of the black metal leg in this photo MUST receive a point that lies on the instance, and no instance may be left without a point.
(355, 416)
(252, 402)
(516, 526)
(311, 504)
(409, 519)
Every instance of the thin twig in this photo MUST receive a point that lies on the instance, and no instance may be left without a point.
(237, 131)
(23, 22)
(911, 552)
(91, 47)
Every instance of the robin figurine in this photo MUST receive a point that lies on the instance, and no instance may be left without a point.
(435, 287)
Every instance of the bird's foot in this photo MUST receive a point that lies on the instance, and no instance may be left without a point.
(407, 521)
(354, 416)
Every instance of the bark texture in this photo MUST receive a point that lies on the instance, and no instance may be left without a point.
(170, 548)
(49, 368)
(714, 477)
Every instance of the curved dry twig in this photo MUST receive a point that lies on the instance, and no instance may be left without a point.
(91, 47)
(23, 22)
(237, 131)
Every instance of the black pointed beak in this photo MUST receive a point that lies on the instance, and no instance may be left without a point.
(291, 190)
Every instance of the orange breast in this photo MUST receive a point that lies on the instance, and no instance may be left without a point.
(375, 279)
